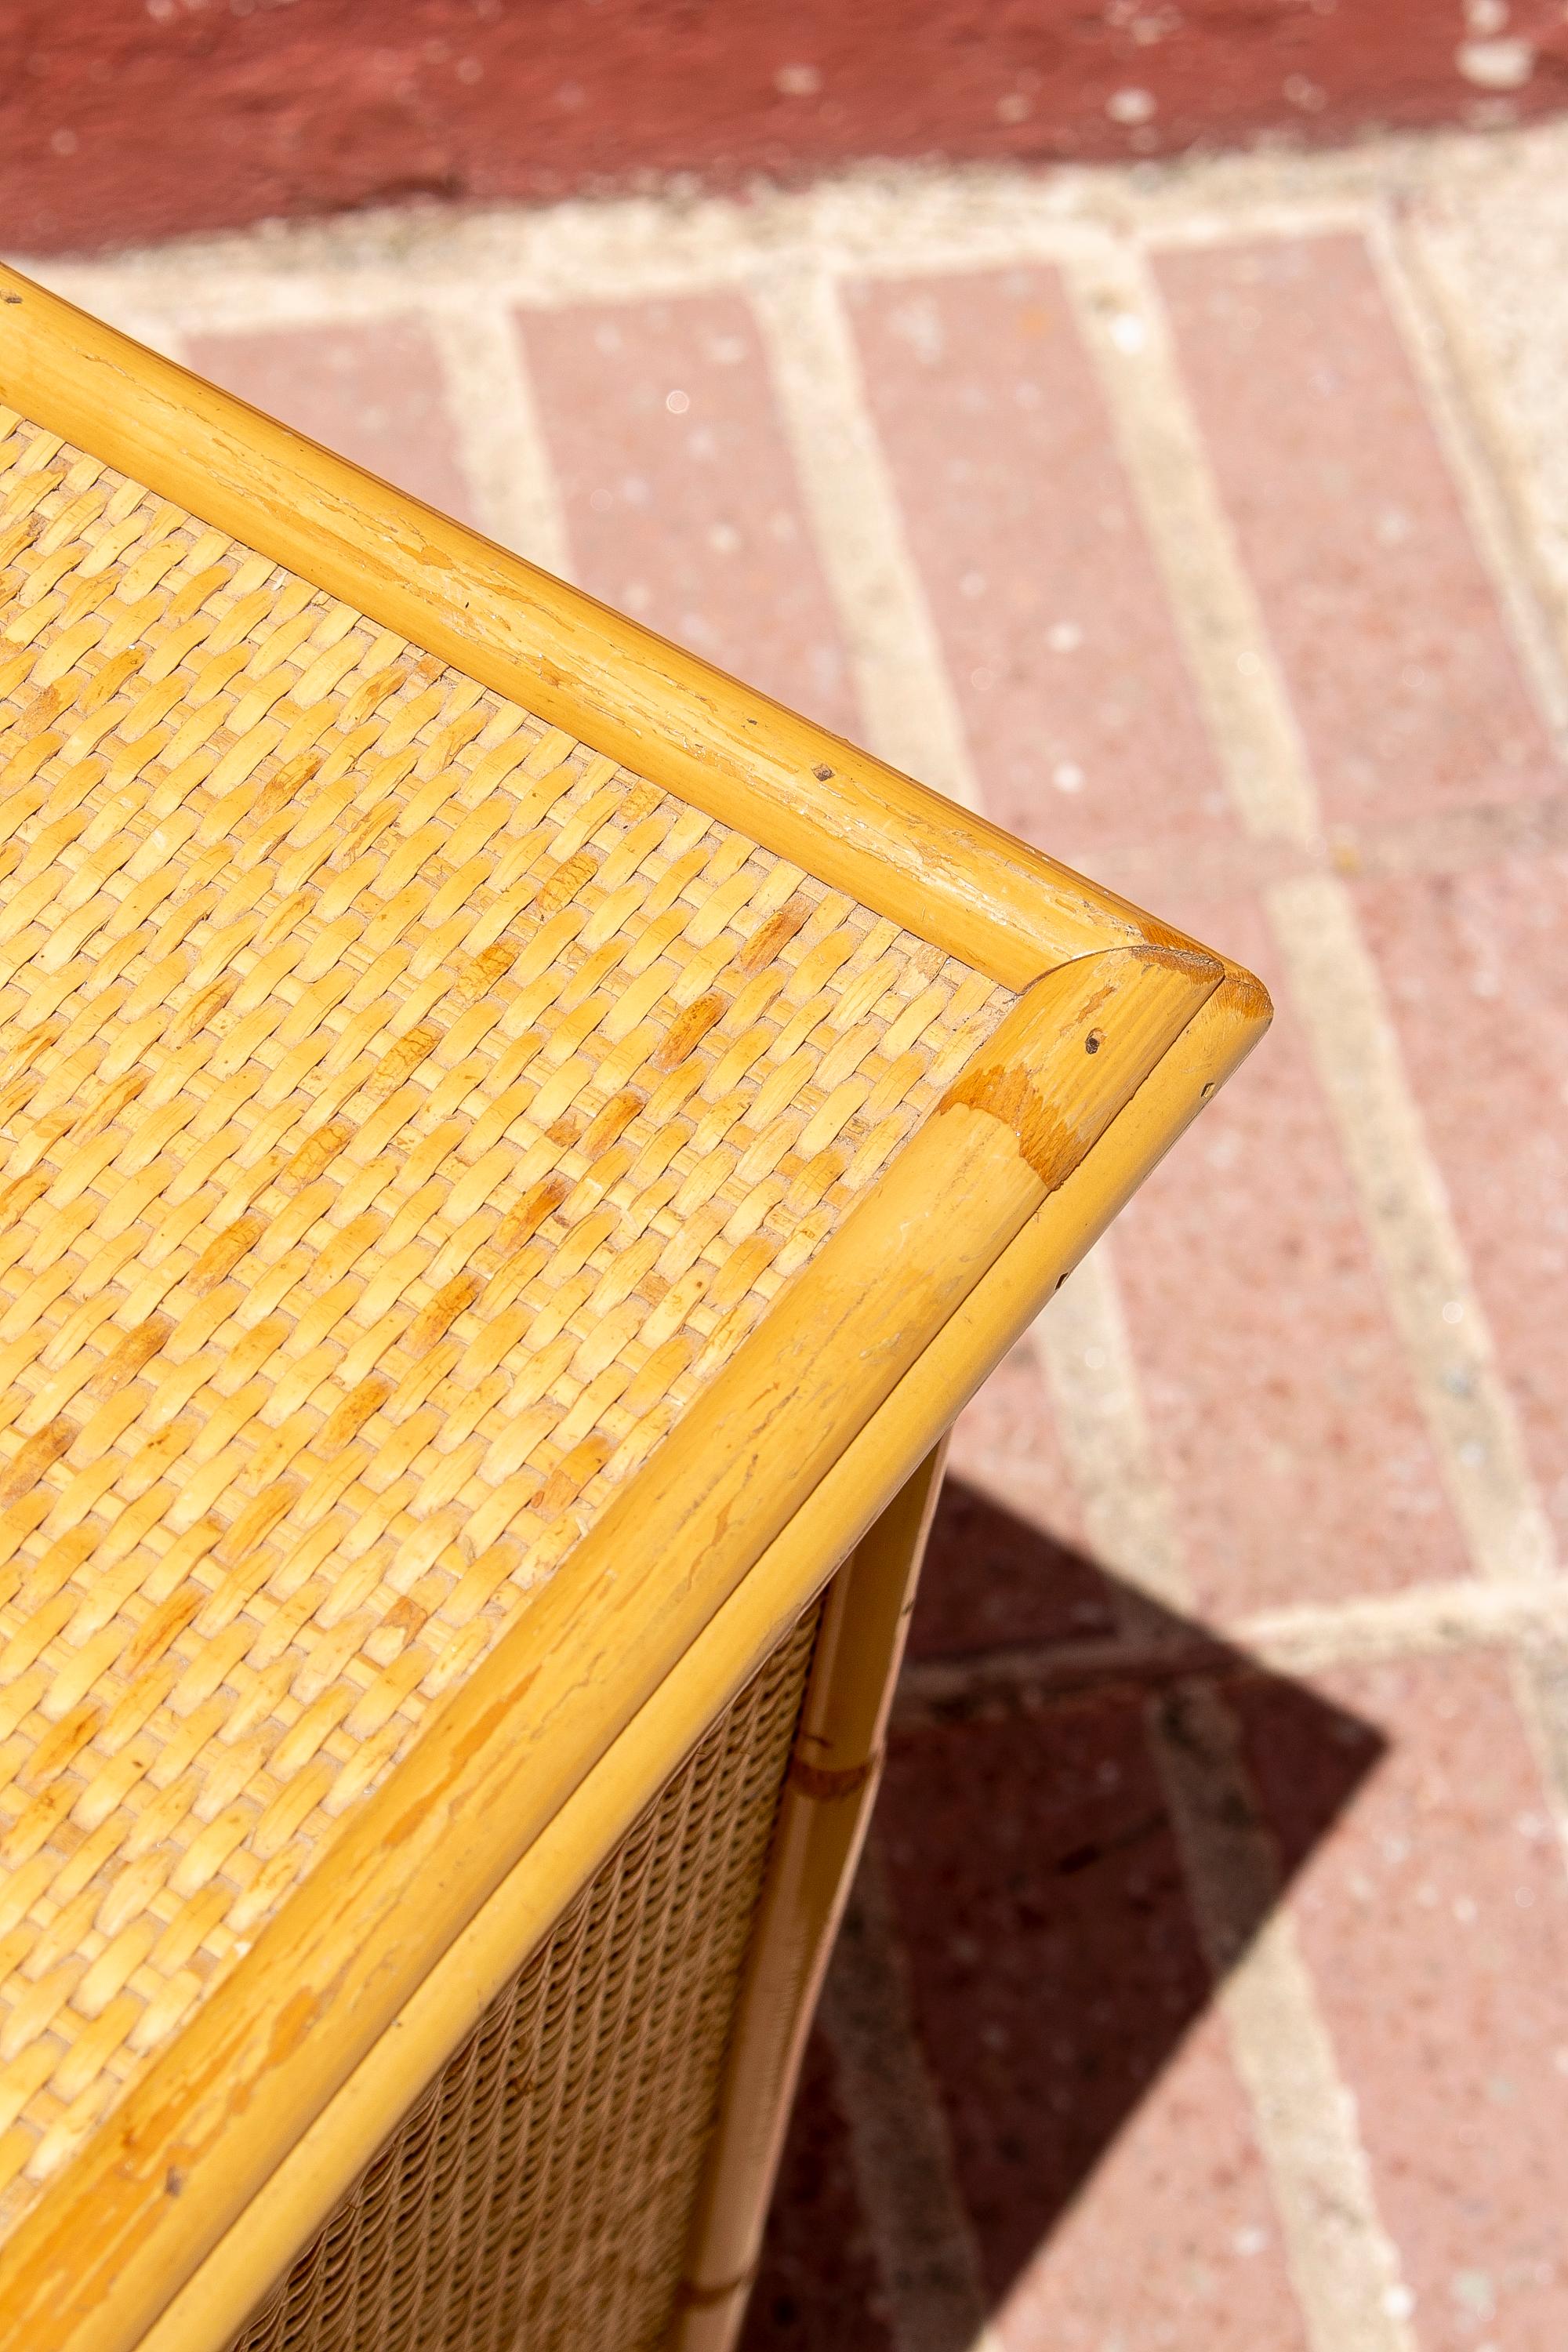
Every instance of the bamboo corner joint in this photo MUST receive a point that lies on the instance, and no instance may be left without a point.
(517, 1147)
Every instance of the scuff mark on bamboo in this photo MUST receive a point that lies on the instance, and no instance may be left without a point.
(1045, 1142)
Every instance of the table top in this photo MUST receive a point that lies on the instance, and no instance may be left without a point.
(416, 1118)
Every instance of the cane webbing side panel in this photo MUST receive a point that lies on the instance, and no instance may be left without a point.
(405, 1113)
(538, 2194)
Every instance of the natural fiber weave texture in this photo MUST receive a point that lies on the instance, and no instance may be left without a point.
(539, 2193)
(405, 1113)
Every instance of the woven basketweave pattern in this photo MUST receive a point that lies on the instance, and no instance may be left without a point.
(541, 2192)
(404, 1112)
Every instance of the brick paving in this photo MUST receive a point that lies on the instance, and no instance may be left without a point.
(1207, 1984)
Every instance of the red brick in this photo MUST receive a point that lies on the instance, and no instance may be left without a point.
(372, 390)
(681, 503)
(1473, 966)
(1056, 1975)
(1435, 1919)
(818, 2289)
(1407, 689)
(1173, 2243)
(1283, 1415)
(203, 118)
(1080, 716)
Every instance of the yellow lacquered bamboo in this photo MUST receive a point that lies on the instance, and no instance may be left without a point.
(290, 2203)
(822, 1817)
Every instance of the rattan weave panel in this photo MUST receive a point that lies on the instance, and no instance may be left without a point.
(539, 2194)
(405, 1113)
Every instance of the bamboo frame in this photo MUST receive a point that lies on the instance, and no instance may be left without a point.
(900, 848)
(508, 1798)
(823, 1818)
(306, 2186)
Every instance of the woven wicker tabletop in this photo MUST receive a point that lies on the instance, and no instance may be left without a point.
(406, 1112)
(513, 1148)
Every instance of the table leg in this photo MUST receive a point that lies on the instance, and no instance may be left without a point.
(822, 1816)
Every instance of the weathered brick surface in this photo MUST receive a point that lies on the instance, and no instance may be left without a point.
(1058, 1979)
(1061, 647)
(1174, 2242)
(1405, 687)
(1282, 1409)
(1435, 1918)
(1473, 965)
(1053, 1955)
(681, 504)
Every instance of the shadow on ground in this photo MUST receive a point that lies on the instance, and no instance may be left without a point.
(1033, 1852)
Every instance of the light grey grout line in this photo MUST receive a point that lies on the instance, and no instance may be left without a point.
(905, 695)
(1210, 598)
(1083, 1350)
(1346, 2276)
(900, 2149)
(1538, 1675)
(1478, 465)
(1426, 1620)
(192, 289)
(379, 267)
(1479, 394)
(876, 221)
(1448, 1345)
(1463, 400)
(1205, 227)
(1342, 2264)
(501, 444)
